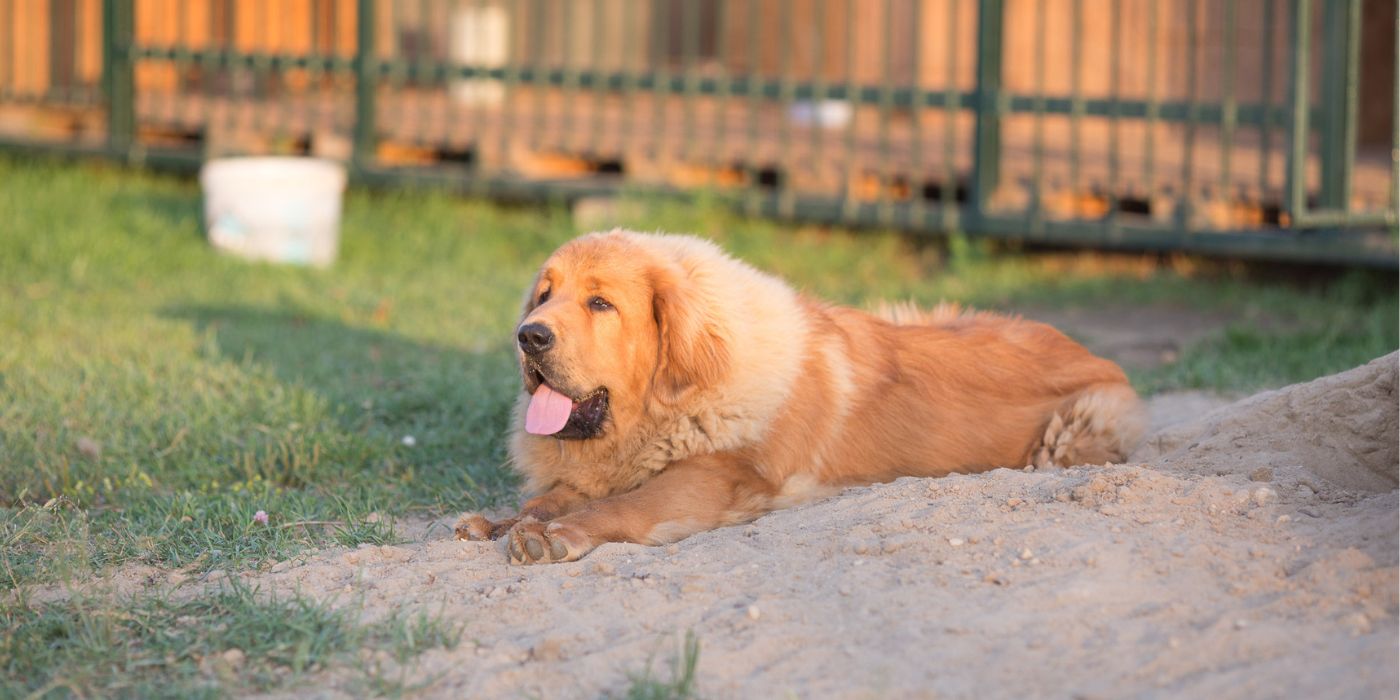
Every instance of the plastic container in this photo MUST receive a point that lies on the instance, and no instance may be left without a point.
(284, 210)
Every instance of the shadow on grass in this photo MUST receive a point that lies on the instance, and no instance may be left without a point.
(449, 408)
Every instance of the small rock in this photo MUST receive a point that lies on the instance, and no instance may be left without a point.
(603, 568)
(955, 541)
(1013, 502)
(1262, 474)
(1026, 554)
(753, 612)
(89, 448)
(1264, 495)
(374, 517)
(281, 566)
(1358, 622)
(673, 549)
(1310, 512)
(234, 657)
(409, 441)
(548, 650)
(1241, 624)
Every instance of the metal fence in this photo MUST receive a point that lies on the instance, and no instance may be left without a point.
(1262, 128)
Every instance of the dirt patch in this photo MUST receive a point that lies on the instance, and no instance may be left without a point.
(1247, 550)
(1230, 562)
(1138, 337)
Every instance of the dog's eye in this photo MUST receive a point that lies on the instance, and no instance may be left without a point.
(599, 304)
(544, 296)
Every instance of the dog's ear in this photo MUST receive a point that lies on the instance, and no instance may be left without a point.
(691, 348)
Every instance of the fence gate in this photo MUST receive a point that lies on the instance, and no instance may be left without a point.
(1262, 128)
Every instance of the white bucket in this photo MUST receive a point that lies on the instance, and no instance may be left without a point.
(284, 210)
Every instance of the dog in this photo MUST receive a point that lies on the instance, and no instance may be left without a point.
(670, 389)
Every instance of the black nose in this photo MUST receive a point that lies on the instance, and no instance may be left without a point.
(535, 338)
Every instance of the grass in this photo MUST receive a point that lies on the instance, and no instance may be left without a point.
(154, 395)
(155, 647)
(680, 686)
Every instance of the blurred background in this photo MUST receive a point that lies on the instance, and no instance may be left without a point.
(1260, 128)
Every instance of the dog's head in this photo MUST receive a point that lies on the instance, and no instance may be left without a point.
(611, 328)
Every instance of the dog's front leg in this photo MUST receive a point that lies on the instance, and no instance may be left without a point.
(547, 506)
(689, 496)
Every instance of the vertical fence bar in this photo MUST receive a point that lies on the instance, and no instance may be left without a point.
(690, 52)
(1184, 202)
(987, 143)
(539, 82)
(755, 91)
(849, 203)
(365, 79)
(1300, 38)
(660, 88)
(570, 67)
(916, 175)
(1076, 78)
(118, 20)
(1149, 132)
(511, 93)
(1115, 88)
(1037, 210)
(786, 87)
(724, 81)
(600, 84)
(1395, 138)
(7, 46)
(627, 134)
(947, 194)
(1266, 95)
(885, 177)
(1228, 114)
(817, 128)
(1341, 30)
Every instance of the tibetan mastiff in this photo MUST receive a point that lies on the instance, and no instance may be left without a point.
(669, 388)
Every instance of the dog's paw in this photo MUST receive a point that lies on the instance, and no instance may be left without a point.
(533, 542)
(476, 528)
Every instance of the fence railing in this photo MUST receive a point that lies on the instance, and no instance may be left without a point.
(1261, 128)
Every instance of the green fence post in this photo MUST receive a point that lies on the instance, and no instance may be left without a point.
(1341, 26)
(366, 78)
(119, 75)
(987, 146)
(1300, 38)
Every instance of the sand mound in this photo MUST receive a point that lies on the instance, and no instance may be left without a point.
(1250, 553)
(1341, 429)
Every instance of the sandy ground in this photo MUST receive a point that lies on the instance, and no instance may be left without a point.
(1248, 549)
(1245, 551)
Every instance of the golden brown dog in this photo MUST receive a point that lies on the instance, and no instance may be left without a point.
(670, 389)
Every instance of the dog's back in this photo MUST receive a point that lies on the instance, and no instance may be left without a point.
(947, 392)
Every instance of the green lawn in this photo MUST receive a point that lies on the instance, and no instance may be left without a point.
(154, 395)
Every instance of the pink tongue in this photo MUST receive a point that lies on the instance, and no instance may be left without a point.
(548, 412)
